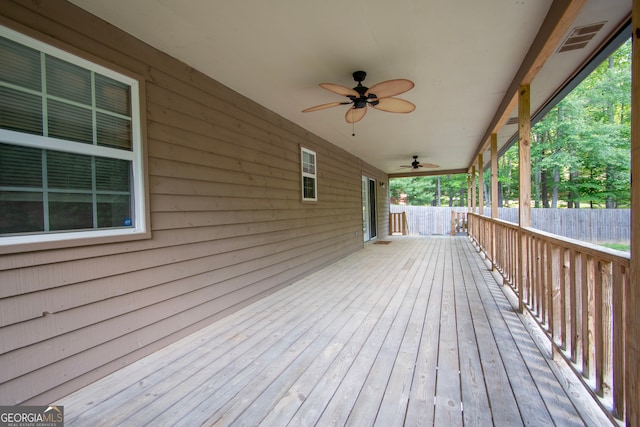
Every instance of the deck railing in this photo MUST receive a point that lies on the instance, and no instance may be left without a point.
(398, 223)
(575, 291)
(458, 222)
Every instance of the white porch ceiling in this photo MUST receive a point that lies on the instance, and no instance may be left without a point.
(462, 55)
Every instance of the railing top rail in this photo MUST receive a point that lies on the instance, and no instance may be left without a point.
(502, 222)
(597, 251)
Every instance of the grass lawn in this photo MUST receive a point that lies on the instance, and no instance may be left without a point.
(617, 246)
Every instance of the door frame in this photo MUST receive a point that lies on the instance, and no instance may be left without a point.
(369, 208)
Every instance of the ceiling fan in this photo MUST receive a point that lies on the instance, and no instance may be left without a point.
(378, 96)
(415, 165)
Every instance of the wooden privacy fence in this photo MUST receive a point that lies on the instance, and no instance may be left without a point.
(589, 225)
(574, 290)
(427, 220)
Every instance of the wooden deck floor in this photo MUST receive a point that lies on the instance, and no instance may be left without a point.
(416, 332)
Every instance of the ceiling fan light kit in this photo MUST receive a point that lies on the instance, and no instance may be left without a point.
(379, 96)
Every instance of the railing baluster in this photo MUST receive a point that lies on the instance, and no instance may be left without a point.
(540, 280)
(586, 263)
(534, 282)
(607, 325)
(620, 281)
(563, 271)
(506, 252)
(554, 279)
(549, 285)
(598, 334)
(573, 305)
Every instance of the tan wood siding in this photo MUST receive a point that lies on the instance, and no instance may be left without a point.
(228, 224)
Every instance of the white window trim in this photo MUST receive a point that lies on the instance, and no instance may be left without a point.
(19, 243)
(304, 174)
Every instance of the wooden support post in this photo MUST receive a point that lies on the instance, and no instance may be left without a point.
(468, 192)
(480, 184)
(494, 195)
(468, 202)
(405, 225)
(524, 153)
(494, 175)
(453, 223)
(632, 300)
(473, 189)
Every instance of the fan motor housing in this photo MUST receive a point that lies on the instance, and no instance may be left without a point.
(362, 100)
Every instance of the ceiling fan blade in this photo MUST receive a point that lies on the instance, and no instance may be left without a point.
(394, 105)
(339, 89)
(390, 88)
(429, 165)
(355, 114)
(323, 106)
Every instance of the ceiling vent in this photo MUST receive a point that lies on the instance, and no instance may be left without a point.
(512, 121)
(579, 37)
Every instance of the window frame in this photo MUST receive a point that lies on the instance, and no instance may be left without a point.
(138, 186)
(309, 175)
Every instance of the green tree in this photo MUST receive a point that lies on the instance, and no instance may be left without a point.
(580, 151)
(424, 190)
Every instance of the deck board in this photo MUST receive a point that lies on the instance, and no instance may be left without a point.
(498, 387)
(476, 410)
(412, 333)
(422, 396)
(448, 401)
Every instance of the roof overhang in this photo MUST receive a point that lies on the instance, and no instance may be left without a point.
(467, 60)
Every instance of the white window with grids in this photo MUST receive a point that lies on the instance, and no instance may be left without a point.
(70, 146)
(309, 175)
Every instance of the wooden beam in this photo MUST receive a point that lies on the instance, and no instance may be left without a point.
(558, 21)
(480, 184)
(524, 205)
(428, 173)
(494, 175)
(632, 330)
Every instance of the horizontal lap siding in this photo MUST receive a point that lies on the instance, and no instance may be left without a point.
(228, 224)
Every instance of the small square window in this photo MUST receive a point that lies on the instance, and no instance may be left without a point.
(309, 175)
